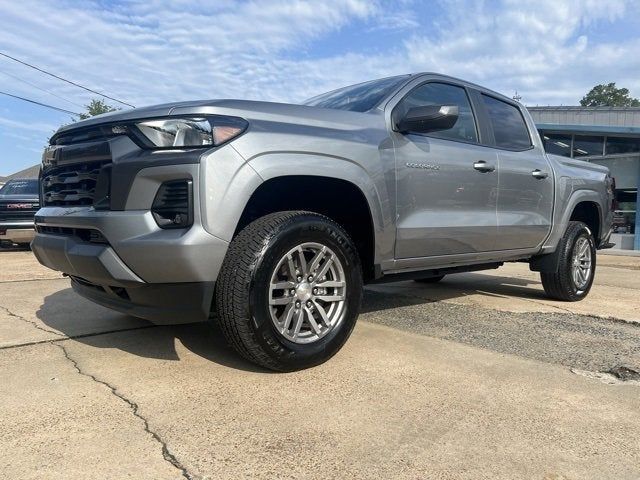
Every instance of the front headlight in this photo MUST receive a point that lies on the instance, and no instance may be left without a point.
(190, 132)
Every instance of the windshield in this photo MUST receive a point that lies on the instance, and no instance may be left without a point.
(20, 187)
(357, 98)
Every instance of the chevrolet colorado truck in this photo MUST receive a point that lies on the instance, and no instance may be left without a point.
(19, 203)
(268, 218)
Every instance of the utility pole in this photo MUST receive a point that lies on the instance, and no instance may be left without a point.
(517, 97)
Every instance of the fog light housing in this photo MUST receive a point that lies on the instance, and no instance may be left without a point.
(173, 204)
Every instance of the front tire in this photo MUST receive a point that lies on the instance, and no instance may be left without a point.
(289, 290)
(573, 279)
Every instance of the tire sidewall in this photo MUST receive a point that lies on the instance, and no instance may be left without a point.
(309, 228)
(581, 232)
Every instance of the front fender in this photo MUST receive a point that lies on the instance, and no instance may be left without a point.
(373, 187)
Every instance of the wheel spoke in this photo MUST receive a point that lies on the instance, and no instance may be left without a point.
(330, 284)
(292, 267)
(330, 298)
(317, 259)
(280, 300)
(322, 313)
(282, 285)
(325, 266)
(312, 321)
(299, 320)
(288, 316)
(583, 249)
(303, 261)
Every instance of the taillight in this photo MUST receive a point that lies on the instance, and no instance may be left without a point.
(173, 205)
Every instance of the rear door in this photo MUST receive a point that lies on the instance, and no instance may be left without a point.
(526, 184)
(447, 182)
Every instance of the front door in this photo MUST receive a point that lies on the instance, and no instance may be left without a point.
(447, 183)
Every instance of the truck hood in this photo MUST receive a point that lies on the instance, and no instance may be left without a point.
(241, 108)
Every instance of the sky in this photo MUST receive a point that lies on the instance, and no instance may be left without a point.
(145, 52)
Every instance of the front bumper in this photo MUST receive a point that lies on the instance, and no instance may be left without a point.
(123, 260)
(17, 232)
(162, 304)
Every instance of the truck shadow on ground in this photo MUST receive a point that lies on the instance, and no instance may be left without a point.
(452, 287)
(66, 312)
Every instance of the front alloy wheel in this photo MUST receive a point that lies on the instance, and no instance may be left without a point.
(289, 290)
(307, 293)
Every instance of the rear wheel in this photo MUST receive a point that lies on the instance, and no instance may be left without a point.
(289, 290)
(576, 266)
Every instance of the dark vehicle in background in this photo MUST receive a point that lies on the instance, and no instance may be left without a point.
(18, 204)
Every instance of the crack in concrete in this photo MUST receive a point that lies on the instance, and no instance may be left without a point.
(32, 280)
(135, 409)
(75, 337)
(31, 322)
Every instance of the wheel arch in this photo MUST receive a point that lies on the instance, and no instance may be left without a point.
(588, 212)
(565, 212)
(336, 198)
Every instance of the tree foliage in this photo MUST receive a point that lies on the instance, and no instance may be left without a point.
(609, 96)
(97, 107)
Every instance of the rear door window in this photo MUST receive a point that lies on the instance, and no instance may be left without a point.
(509, 128)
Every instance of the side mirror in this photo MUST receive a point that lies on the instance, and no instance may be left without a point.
(431, 118)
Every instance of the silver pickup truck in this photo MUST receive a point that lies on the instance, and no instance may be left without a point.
(268, 218)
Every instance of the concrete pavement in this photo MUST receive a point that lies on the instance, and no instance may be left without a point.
(477, 377)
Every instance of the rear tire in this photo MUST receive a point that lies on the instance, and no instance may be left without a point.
(271, 308)
(429, 279)
(573, 279)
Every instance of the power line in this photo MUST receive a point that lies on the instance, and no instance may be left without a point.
(39, 88)
(65, 80)
(41, 104)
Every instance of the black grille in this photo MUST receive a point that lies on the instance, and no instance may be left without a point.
(71, 185)
(86, 234)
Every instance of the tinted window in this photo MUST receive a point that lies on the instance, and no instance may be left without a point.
(509, 129)
(586, 145)
(20, 187)
(444, 94)
(622, 145)
(357, 98)
(557, 144)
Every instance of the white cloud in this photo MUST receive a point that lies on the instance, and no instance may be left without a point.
(540, 48)
(152, 51)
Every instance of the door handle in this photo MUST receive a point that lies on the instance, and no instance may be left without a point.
(483, 166)
(539, 174)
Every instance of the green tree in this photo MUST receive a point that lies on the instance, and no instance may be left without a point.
(97, 107)
(609, 96)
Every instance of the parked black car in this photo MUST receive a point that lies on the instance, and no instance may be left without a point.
(18, 204)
